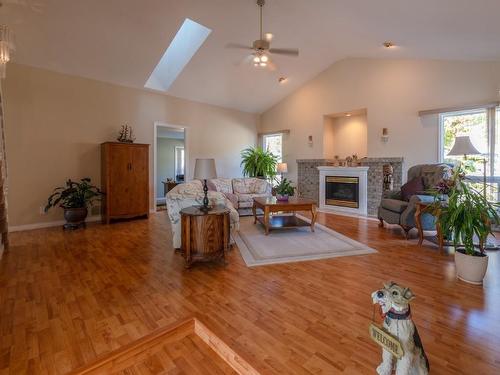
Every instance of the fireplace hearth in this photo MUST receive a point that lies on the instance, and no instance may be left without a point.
(342, 191)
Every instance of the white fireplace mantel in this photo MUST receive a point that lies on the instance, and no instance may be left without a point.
(360, 172)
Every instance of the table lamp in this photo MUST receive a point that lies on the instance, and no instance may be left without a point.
(463, 146)
(282, 168)
(204, 169)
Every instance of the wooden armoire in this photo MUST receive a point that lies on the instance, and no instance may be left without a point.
(124, 180)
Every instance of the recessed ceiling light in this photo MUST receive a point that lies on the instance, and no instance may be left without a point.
(347, 115)
(268, 36)
(282, 79)
(389, 45)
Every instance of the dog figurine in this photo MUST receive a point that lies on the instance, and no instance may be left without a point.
(394, 302)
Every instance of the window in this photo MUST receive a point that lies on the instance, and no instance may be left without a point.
(274, 144)
(179, 163)
(189, 38)
(482, 126)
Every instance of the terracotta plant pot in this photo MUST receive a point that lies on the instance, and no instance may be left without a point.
(282, 197)
(75, 217)
(471, 269)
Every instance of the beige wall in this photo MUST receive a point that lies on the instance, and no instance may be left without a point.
(345, 136)
(165, 161)
(392, 91)
(55, 123)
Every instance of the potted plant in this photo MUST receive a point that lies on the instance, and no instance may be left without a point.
(464, 216)
(284, 190)
(74, 198)
(258, 163)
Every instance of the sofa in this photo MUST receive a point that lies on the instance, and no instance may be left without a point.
(395, 208)
(191, 194)
(241, 191)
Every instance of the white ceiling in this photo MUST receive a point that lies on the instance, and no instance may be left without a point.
(121, 41)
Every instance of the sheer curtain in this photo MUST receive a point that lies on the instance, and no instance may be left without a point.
(4, 232)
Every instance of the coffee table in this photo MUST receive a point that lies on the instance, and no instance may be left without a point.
(272, 205)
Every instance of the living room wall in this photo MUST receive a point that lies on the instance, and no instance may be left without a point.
(55, 124)
(345, 136)
(392, 91)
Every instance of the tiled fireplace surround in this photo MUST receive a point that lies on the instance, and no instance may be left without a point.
(308, 178)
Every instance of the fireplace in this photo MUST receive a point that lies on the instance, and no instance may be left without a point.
(342, 191)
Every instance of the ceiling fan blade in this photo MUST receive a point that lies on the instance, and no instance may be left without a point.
(238, 46)
(285, 51)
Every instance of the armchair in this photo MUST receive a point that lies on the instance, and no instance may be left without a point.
(394, 209)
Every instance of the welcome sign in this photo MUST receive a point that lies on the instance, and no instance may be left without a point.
(386, 341)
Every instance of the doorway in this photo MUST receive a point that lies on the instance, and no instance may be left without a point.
(170, 160)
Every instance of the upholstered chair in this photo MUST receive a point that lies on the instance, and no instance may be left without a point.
(399, 208)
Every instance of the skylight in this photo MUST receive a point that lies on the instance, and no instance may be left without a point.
(186, 42)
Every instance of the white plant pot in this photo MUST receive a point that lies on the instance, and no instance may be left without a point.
(471, 269)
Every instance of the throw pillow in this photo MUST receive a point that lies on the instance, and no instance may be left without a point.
(412, 187)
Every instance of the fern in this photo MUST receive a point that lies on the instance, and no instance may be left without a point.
(258, 163)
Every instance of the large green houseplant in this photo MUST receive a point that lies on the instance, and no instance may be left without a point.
(74, 198)
(257, 162)
(466, 215)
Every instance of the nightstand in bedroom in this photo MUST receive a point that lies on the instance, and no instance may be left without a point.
(205, 234)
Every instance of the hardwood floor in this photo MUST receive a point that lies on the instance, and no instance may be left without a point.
(184, 348)
(68, 297)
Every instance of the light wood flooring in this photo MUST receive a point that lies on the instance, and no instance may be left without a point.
(69, 297)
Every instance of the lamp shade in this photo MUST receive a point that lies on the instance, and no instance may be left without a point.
(463, 146)
(282, 168)
(204, 169)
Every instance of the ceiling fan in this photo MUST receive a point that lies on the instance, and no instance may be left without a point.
(262, 47)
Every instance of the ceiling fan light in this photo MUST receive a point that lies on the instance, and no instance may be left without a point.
(262, 64)
(264, 58)
(4, 52)
(256, 59)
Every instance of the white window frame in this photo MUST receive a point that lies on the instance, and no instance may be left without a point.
(491, 113)
(273, 135)
(491, 128)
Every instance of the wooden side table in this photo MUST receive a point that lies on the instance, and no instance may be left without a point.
(168, 185)
(205, 234)
(438, 238)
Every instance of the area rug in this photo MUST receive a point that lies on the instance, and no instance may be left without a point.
(294, 244)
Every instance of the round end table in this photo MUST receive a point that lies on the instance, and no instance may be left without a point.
(205, 234)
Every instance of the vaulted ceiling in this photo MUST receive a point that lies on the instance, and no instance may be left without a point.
(121, 41)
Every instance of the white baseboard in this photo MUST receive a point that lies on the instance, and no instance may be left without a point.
(48, 224)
